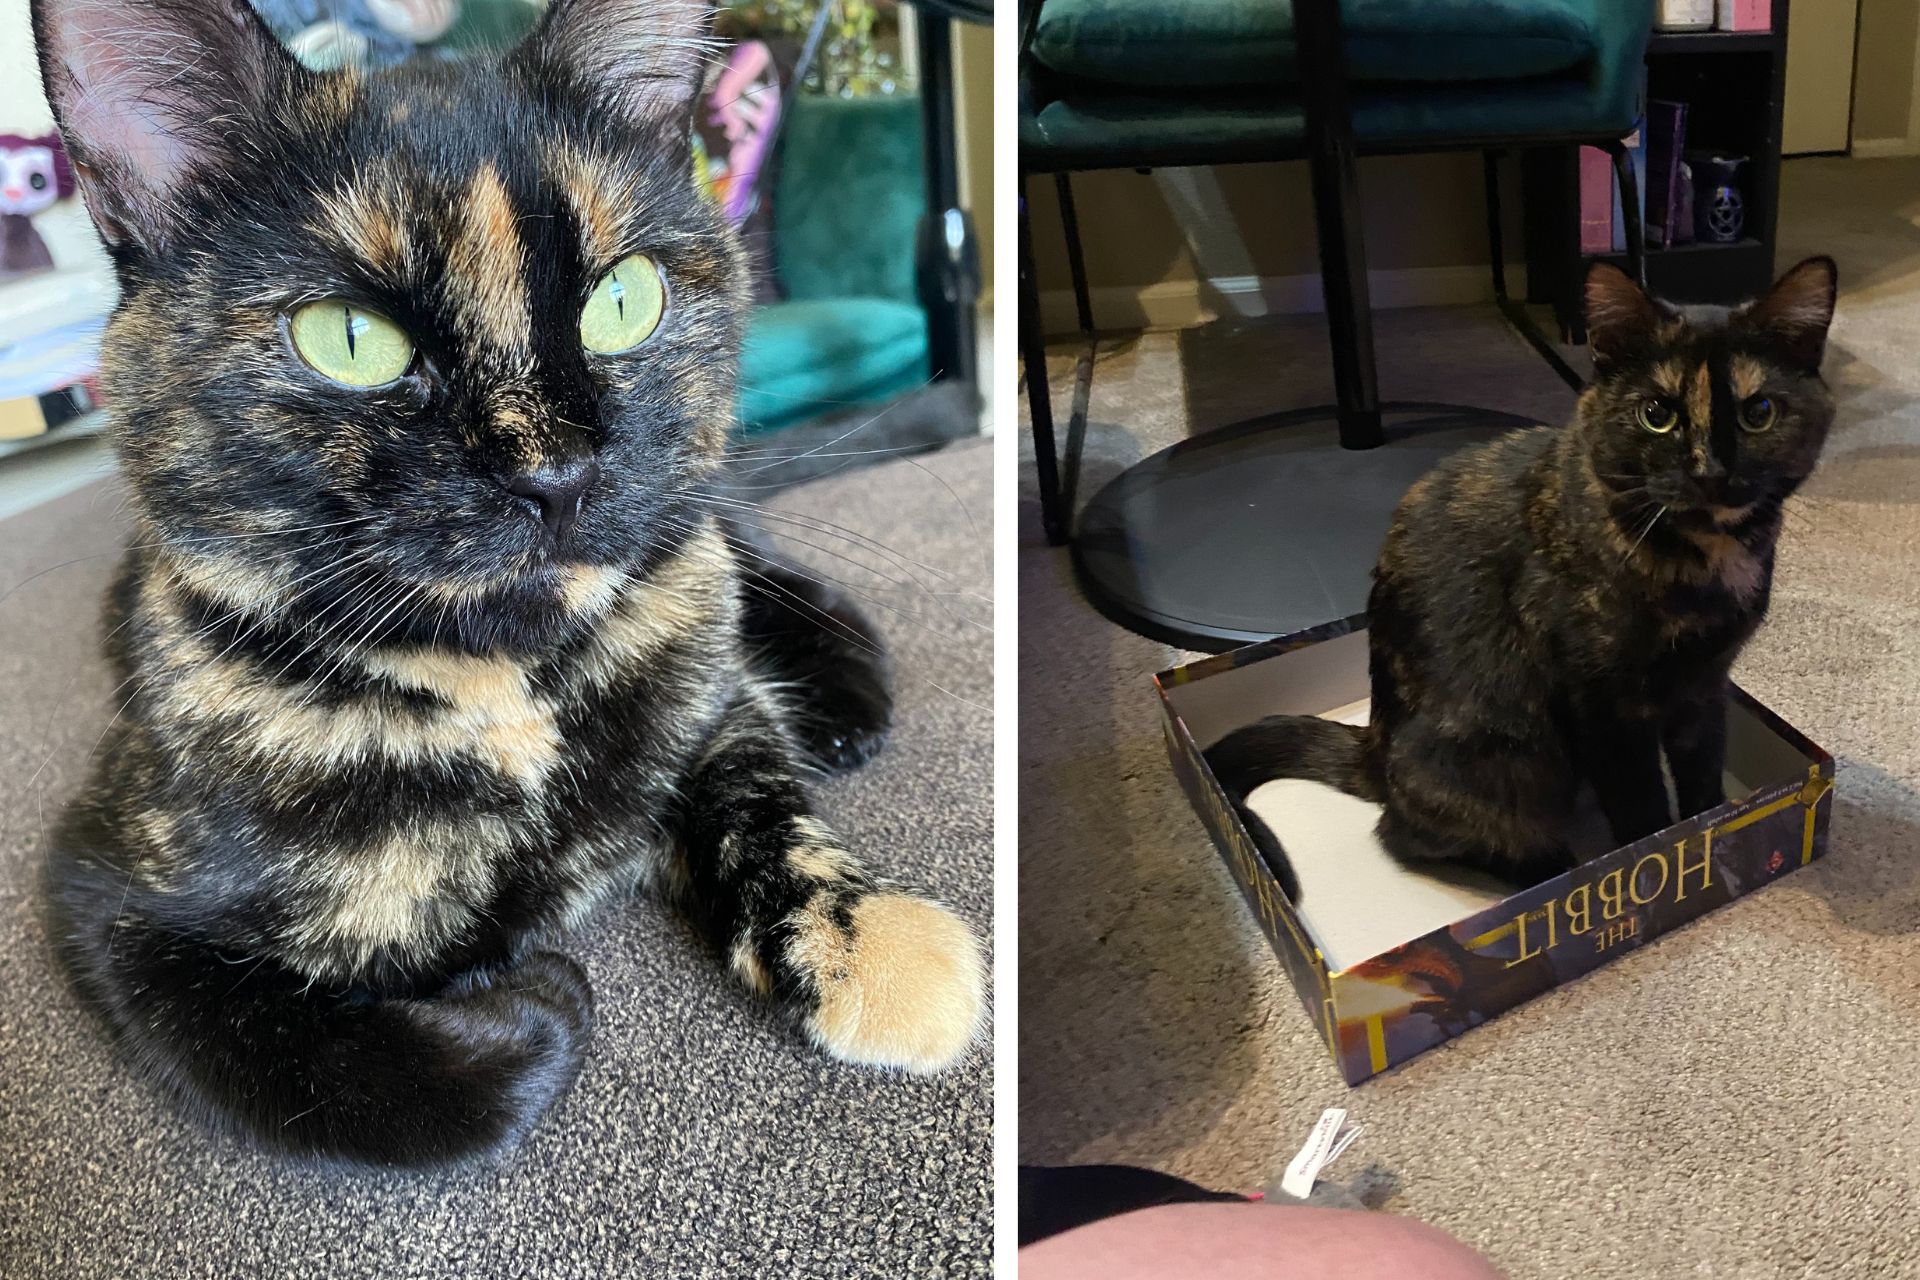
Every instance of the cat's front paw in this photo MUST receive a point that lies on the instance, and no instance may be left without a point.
(901, 987)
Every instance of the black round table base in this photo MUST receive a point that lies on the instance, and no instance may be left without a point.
(1262, 528)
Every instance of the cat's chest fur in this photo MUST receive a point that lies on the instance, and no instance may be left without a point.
(1680, 620)
(452, 801)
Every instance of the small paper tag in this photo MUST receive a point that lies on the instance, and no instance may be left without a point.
(1323, 1147)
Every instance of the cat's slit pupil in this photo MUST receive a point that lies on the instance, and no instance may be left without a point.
(352, 330)
(618, 292)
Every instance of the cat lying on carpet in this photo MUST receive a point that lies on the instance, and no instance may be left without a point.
(1562, 605)
(432, 639)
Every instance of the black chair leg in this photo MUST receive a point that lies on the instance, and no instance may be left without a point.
(1630, 210)
(1082, 366)
(1514, 310)
(947, 256)
(1076, 261)
(1054, 517)
(1336, 216)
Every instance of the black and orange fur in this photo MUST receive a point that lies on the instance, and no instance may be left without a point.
(1562, 606)
(388, 737)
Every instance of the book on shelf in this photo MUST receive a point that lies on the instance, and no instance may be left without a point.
(1744, 15)
(1666, 130)
(1635, 144)
(25, 417)
(1596, 201)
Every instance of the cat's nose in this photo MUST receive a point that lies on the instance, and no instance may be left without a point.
(553, 492)
(1702, 465)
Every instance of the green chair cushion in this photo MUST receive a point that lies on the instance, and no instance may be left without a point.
(848, 195)
(1251, 42)
(1088, 125)
(803, 358)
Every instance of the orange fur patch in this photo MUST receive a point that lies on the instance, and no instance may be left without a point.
(368, 222)
(1700, 398)
(598, 209)
(1748, 376)
(486, 266)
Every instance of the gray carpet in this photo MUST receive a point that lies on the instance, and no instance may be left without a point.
(1738, 1099)
(703, 1139)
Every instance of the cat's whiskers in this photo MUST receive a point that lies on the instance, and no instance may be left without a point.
(855, 429)
(793, 600)
(393, 600)
(140, 681)
(1643, 533)
(362, 605)
(817, 524)
(867, 591)
(148, 546)
(337, 568)
(168, 543)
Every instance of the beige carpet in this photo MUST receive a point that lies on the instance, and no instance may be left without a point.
(1740, 1098)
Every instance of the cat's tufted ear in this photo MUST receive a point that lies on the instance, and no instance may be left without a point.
(1794, 315)
(1621, 317)
(645, 58)
(149, 93)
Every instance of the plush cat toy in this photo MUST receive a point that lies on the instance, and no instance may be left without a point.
(33, 174)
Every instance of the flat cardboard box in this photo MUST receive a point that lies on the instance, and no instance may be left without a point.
(1389, 960)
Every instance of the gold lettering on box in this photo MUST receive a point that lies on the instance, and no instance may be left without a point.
(1610, 894)
(1520, 930)
(1583, 913)
(1650, 879)
(1633, 885)
(1616, 933)
(1552, 914)
(1682, 870)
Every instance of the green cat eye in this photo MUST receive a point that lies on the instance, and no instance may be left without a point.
(1758, 414)
(1658, 416)
(350, 344)
(625, 306)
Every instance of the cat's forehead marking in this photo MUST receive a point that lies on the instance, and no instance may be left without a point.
(1700, 397)
(1747, 375)
(334, 97)
(1671, 377)
(368, 219)
(593, 194)
(486, 268)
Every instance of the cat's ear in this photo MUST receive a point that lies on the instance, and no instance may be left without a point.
(645, 58)
(1794, 315)
(1621, 317)
(149, 93)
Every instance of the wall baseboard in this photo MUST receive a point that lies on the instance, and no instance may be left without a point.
(1183, 304)
(1881, 148)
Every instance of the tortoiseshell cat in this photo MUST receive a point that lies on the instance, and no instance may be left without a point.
(1563, 605)
(430, 642)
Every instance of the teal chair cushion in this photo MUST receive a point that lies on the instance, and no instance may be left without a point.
(804, 357)
(1250, 42)
(848, 197)
(1070, 123)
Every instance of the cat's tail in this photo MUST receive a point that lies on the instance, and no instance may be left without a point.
(255, 1048)
(1304, 747)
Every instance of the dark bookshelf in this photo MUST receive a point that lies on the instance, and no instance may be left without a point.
(1733, 83)
(1713, 41)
